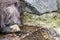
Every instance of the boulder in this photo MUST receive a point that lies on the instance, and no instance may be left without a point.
(13, 15)
(9, 1)
(58, 2)
(43, 6)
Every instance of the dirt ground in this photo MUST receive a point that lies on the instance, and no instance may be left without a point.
(27, 33)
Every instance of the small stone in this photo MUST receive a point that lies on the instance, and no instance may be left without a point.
(13, 28)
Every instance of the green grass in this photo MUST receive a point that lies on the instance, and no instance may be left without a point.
(48, 20)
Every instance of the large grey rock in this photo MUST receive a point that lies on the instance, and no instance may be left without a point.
(13, 15)
(43, 6)
(9, 1)
(58, 2)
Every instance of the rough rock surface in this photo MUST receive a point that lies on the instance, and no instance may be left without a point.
(58, 2)
(9, 1)
(13, 14)
(43, 5)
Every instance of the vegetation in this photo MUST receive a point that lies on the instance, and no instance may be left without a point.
(47, 20)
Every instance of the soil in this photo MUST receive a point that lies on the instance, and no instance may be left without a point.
(26, 33)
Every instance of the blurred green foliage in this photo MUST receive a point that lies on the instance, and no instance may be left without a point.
(47, 19)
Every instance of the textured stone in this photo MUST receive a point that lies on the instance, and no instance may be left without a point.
(9, 1)
(13, 15)
(58, 1)
(43, 5)
(13, 28)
